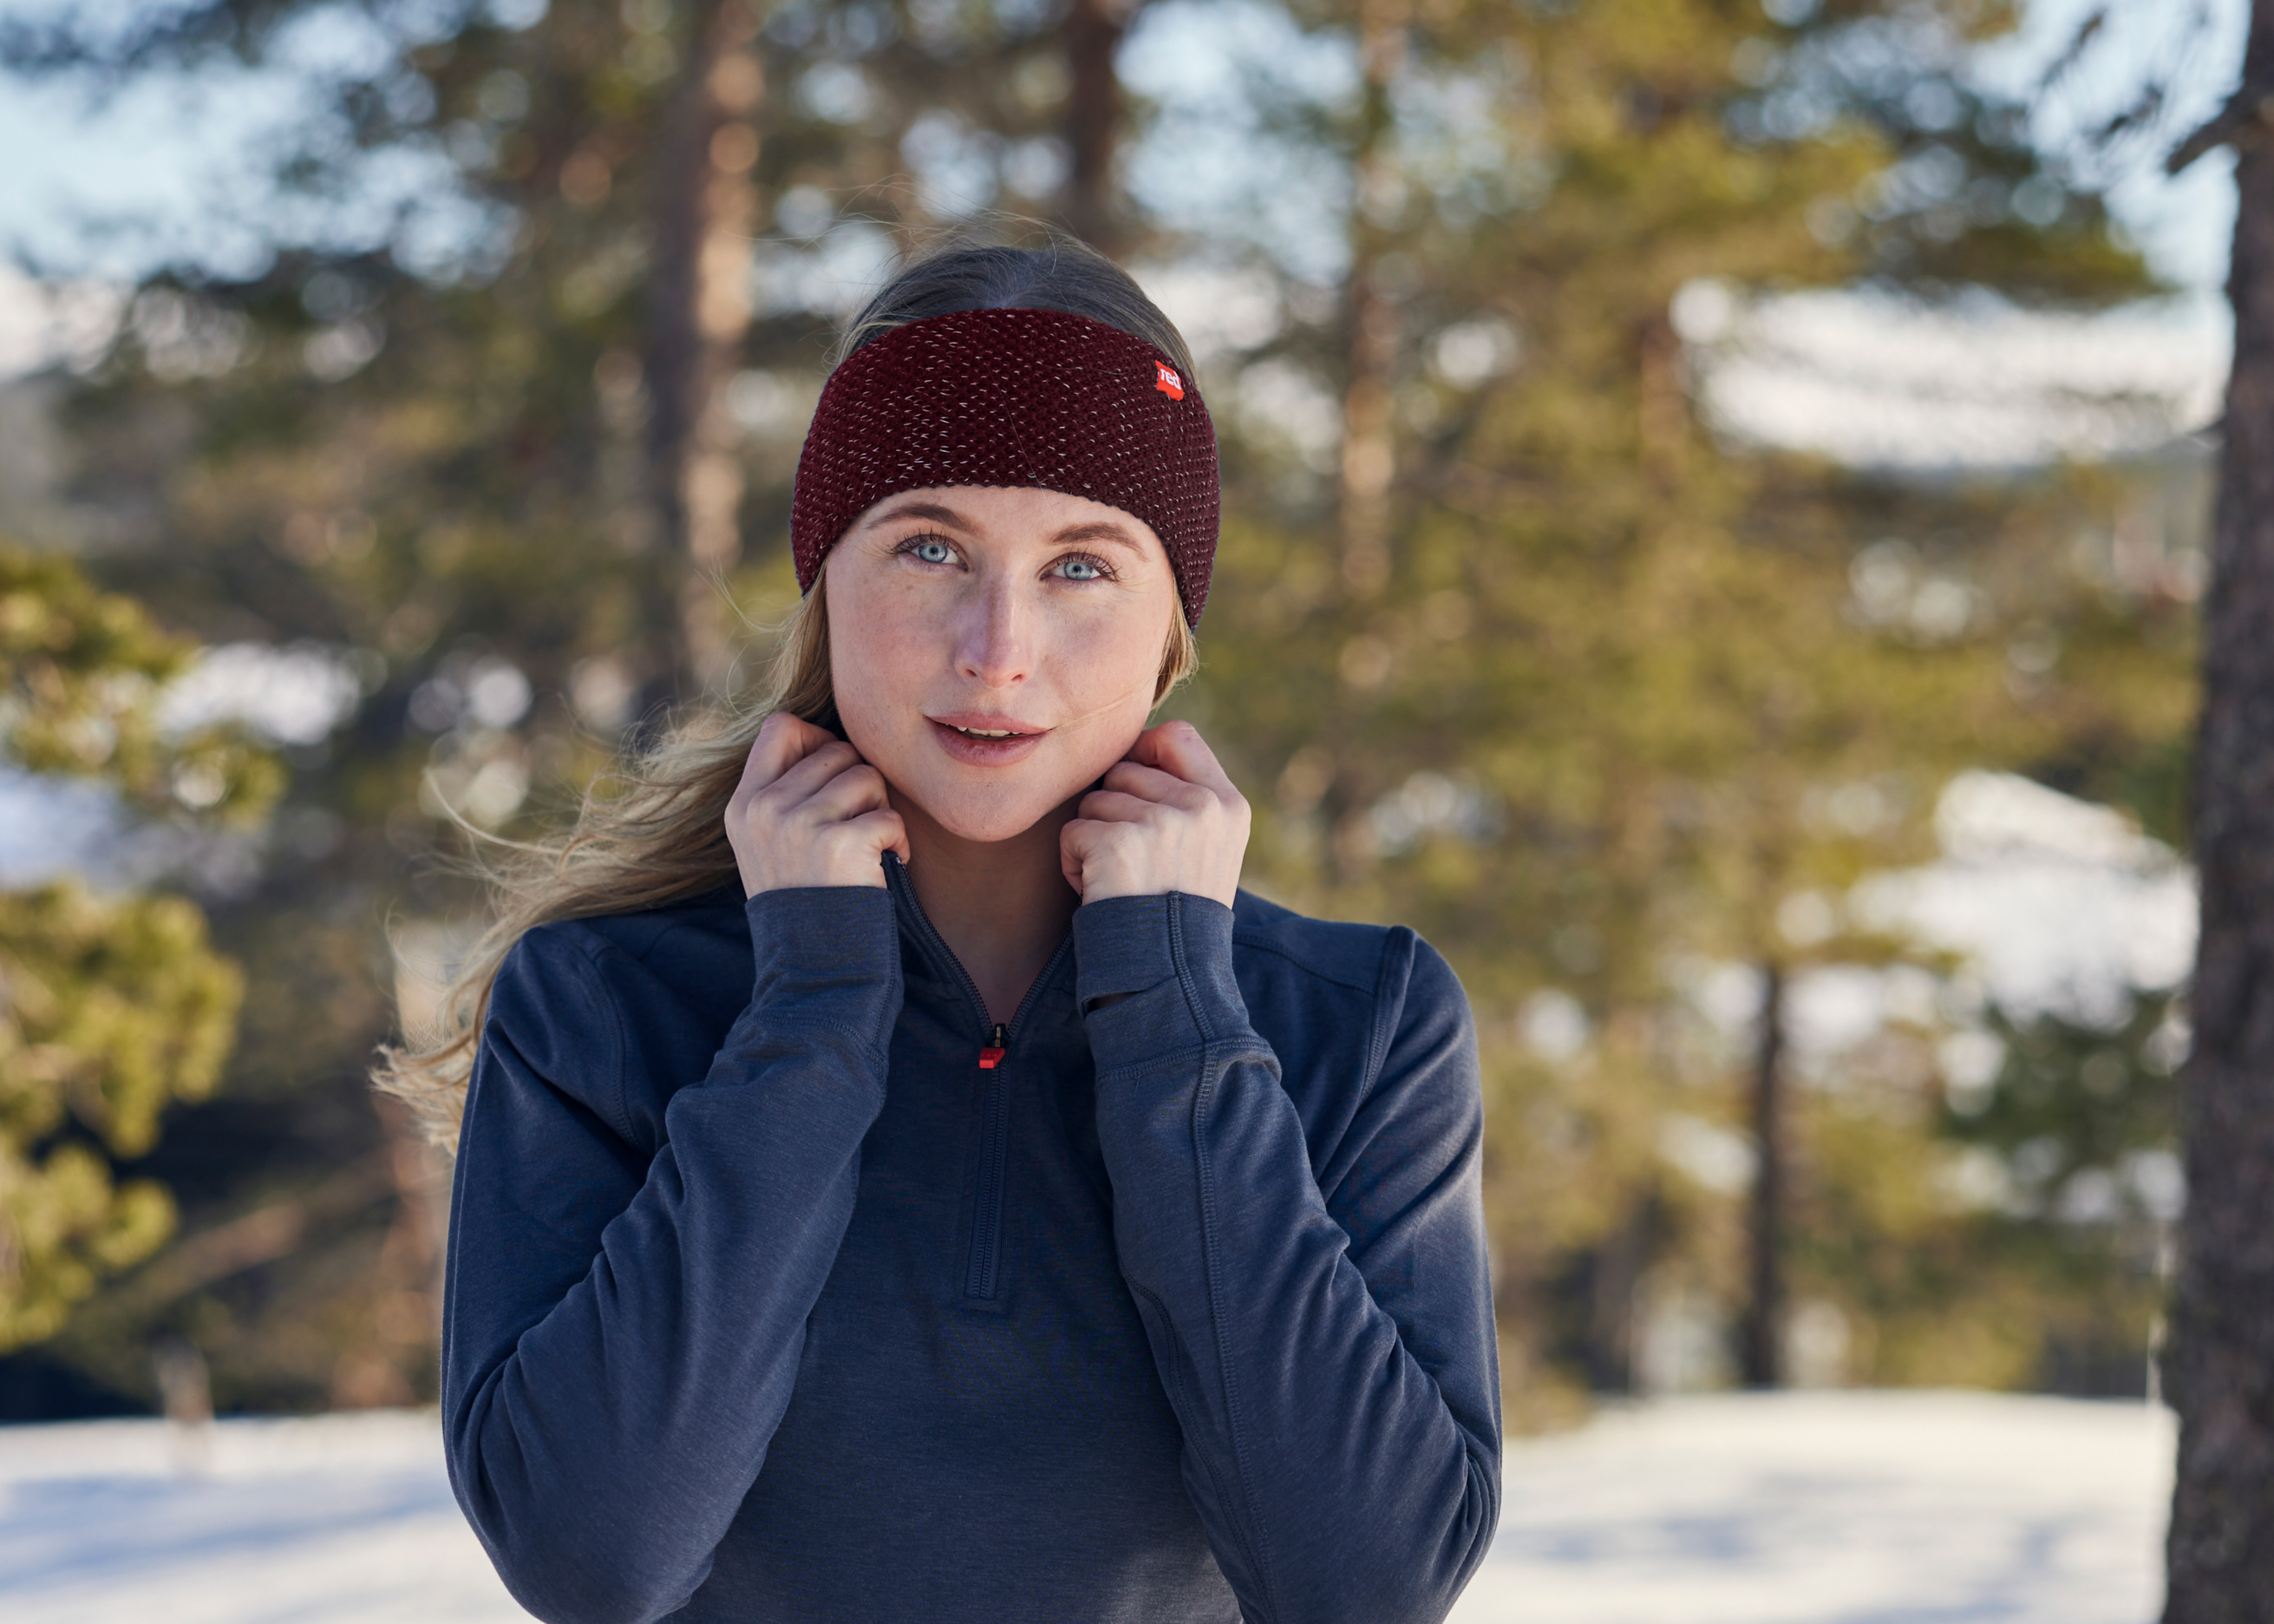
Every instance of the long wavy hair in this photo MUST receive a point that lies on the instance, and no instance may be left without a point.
(653, 830)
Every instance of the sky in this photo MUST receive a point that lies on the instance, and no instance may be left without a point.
(2184, 224)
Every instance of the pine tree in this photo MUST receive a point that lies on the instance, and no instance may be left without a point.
(508, 468)
(2219, 1365)
(1529, 658)
(111, 1008)
(1575, 682)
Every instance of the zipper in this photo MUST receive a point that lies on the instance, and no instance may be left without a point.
(983, 1269)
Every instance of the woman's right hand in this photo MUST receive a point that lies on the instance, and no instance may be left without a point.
(810, 811)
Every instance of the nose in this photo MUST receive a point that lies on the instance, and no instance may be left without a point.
(996, 645)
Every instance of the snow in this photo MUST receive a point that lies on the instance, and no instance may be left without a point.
(2056, 906)
(1841, 1508)
(342, 1519)
(2061, 905)
(1835, 1509)
(294, 695)
(1875, 381)
(44, 323)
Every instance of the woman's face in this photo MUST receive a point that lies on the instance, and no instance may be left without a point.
(995, 650)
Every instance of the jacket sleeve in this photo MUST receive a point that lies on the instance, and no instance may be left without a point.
(622, 1331)
(1334, 1370)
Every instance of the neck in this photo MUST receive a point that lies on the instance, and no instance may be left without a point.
(1002, 907)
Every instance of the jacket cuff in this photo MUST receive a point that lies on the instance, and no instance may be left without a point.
(829, 956)
(1167, 962)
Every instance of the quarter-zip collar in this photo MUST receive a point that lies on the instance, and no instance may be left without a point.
(993, 1040)
(996, 1055)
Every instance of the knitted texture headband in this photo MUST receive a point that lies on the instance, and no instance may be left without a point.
(1012, 397)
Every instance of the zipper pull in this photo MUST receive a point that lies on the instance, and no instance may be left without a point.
(998, 1039)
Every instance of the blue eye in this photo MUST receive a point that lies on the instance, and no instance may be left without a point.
(1079, 569)
(933, 552)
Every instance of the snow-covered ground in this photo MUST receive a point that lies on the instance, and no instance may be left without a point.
(342, 1519)
(1799, 1508)
(1835, 1509)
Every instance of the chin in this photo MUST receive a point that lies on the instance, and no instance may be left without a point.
(984, 815)
(983, 804)
(985, 825)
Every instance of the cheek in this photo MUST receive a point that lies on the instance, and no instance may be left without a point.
(1109, 669)
(873, 662)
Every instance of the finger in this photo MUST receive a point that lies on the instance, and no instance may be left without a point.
(1177, 747)
(1079, 841)
(809, 736)
(783, 741)
(806, 777)
(1152, 783)
(771, 753)
(858, 789)
(1086, 836)
(1105, 805)
(881, 830)
(1070, 851)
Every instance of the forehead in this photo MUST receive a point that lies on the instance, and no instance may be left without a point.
(1012, 516)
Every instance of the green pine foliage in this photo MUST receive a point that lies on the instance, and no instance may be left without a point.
(80, 674)
(1619, 709)
(112, 1009)
(115, 1009)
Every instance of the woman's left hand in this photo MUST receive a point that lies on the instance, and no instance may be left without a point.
(1165, 819)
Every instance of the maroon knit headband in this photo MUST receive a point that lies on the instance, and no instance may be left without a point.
(1012, 397)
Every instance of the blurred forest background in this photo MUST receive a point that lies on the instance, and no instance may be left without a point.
(1792, 771)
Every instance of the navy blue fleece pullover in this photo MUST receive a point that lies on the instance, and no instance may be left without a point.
(769, 1302)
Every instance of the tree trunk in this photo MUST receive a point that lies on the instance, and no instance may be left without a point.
(706, 210)
(1760, 1362)
(2218, 1365)
(1369, 464)
(1620, 1263)
(1092, 35)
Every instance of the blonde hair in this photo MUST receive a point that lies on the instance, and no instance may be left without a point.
(650, 832)
(653, 831)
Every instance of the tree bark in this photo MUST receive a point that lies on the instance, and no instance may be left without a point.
(1760, 1362)
(1620, 1263)
(2218, 1365)
(1092, 35)
(1369, 464)
(706, 210)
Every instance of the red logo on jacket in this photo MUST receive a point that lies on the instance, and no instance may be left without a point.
(1167, 381)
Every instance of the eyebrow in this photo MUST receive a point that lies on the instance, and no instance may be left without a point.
(934, 511)
(938, 513)
(1098, 529)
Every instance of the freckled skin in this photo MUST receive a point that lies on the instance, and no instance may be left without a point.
(1062, 636)
(994, 654)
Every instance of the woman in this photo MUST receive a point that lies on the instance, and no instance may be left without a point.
(902, 1178)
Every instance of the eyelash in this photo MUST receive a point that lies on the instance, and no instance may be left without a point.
(908, 547)
(1105, 571)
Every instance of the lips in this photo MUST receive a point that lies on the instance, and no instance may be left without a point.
(982, 739)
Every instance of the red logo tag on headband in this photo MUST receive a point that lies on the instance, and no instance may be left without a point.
(1167, 382)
